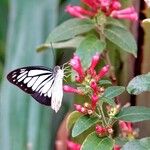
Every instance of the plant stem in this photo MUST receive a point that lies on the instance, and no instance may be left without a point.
(112, 70)
(102, 113)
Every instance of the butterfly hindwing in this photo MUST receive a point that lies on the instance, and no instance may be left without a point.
(34, 80)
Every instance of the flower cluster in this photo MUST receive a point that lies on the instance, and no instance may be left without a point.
(108, 7)
(88, 82)
(127, 130)
(103, 131)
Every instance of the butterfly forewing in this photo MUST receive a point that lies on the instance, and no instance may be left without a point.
(35, 80)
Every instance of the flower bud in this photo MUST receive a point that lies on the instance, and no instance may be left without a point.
(80, 109)
(94, 86)
(102, 72)
(75, 62)
(117, 147)
(70, 89)
(101, 131)
(94, 62)
(94, 100)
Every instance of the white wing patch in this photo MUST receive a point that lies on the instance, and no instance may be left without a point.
(57, 91)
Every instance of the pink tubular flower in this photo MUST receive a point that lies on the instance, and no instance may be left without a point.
(94, 99)
(108, 7)
(80, 109)
(103, 72)
(94, 62)
(78, 11)
(94, 4)
(75, 62)
(128, 13)
(94, 86)
(126, 126)
(73, 146)
(70, 89)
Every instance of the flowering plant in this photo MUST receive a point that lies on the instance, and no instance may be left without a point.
(94, 33)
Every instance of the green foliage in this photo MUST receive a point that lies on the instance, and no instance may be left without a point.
(88, 48)
(134, 114)
(72, 43)
(105, 82)
(69, 29)
(122, 38)
(82, 124)
(113, 91)
(142, 144)
(139, 84)
(24, 122)
(72, 118)
(93, 142)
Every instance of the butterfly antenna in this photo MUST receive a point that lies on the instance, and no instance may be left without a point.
(54, 54)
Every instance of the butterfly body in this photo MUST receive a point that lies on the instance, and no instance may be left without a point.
(43, 84)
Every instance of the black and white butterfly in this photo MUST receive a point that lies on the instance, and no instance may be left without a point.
(43, 84)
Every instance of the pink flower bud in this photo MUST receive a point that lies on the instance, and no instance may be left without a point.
(73, 146)
(80, 109)
(94, 86)
(74, 12)
(94, 99)
(128, 10)
(115, 5)
(94, 4)
(94, 62)
(103, 72)
(125, 126)
(117, 147)
(75, 62)
(101, 131)
(70, 89)
(79, 12)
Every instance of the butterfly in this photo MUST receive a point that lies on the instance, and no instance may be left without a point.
(43, 84)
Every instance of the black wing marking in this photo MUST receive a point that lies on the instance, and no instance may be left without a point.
(34, 80)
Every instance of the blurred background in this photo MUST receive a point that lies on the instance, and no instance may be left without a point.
(24, 25)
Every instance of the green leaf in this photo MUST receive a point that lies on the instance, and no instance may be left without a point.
(113, 91)
(108, 100)
(105, 82)
(82, 124)
(88, 47)
(134, 114)
(115, 22)
(122, 38)
(72, 43)
(105, 144)
(139, 84)
(69, 29)
(142, 144)
(93, 142)
(71, 119)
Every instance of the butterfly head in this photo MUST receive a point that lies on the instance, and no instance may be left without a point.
(58, 71)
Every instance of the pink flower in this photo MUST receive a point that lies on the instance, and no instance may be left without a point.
(126, 126)
(73, 146)
(103, 72)
(75, 62)
(109, 7)
(101, 131)
(94, 99)
(78, 11)
(80, 109)
(70, 89)
(117, 147)
(128, 13)
(94, 62)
